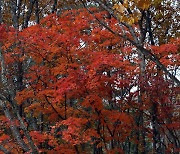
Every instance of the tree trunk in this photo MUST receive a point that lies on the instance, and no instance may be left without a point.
(1, 18)
(13, 127)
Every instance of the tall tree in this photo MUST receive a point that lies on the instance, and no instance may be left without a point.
(91, 79)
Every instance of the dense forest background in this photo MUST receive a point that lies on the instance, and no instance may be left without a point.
(89, 76)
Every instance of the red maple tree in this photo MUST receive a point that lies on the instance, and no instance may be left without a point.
(84, 87)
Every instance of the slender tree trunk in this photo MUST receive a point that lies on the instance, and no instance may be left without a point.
(37, 11)
(3, 105)
(1, 18)
(54, 7)
(19, 3)
(29, 12)
(155, 126)
(141, 92)
(14, 129)
(13, 5)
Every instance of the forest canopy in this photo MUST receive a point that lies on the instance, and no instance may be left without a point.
(98, 76)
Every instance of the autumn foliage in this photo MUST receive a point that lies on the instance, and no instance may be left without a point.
(83, 87)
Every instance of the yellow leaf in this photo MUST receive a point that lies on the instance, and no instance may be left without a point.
(131, 21)
(119, 7)
(125, 3)
(144, 4)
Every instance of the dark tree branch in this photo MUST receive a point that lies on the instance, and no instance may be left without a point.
(54, 7)
(37, 11)
(148, 23)
(1, 18)
(46, 98)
